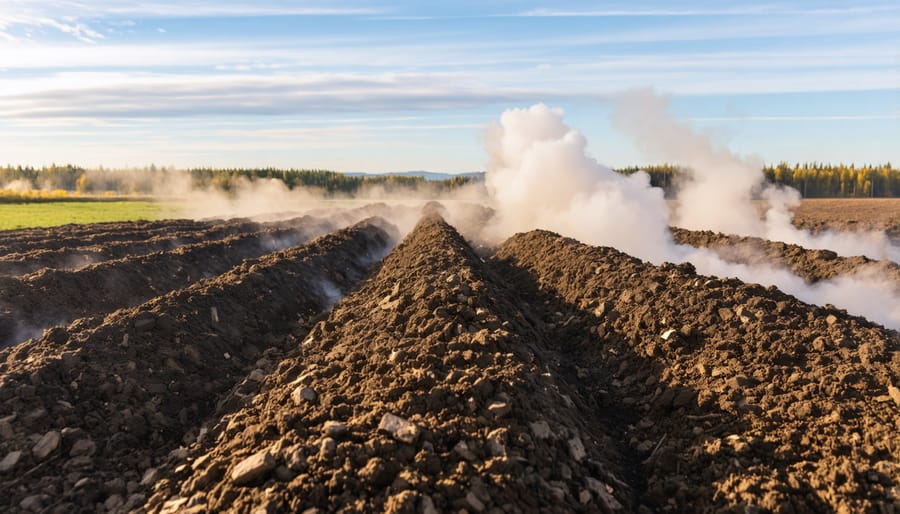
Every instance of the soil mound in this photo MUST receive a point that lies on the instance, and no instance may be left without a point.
(543, 375)
(85, 412)
(58, 255)
(34, 302)
(428, 390)
(743, 397)
(96, 233)
(811, 265)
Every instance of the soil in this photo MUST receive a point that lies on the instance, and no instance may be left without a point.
(50, 297)
(748, 400)
(437, 343)
(19, 241)
(542, 375)
(93, 408)
(862, 214)
(811, 265)
(53, 254)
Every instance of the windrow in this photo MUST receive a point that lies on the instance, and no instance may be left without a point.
(58, 254)
(743, 398)
(428, 390)
(31, 303)
(86, 414)
(811, 265)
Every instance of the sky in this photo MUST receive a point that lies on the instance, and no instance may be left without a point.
(376, 86)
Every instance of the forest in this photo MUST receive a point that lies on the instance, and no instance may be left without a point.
(813, 180)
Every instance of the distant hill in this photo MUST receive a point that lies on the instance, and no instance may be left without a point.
(427, 175)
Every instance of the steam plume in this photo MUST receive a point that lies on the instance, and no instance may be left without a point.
(719, 187)
(540, 177)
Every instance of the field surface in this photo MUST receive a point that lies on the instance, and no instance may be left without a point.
(330, 362)
(850, 214)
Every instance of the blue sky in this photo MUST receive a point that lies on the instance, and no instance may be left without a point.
(374, 86)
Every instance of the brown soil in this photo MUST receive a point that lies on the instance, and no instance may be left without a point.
(542, 376)
(811, 265)
(61, 256)
(49, 297)
(114, 400)
(818, 214)
(748, 399)
(437, 340)
(91, 234)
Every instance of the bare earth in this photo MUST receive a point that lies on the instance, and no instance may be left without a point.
(850, 214)
(543, 375)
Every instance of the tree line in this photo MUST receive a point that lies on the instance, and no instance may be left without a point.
(147, 180)
(813, 180)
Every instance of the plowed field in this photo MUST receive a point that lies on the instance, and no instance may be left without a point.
(326, 364)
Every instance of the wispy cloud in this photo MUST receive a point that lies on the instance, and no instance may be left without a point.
(835, 117)
(79, 19)
(166, 96)
(552, 12)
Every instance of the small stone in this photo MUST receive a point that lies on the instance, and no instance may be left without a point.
(584, 496)
(114, 502)
(32, 503)
(257, 375)
(150, 477)
(668, 334)
(253, 468)
(602, 309)
(498, 409)
(48, 443)
(426, 505)
(831, 319)
(334, 429)
(894, 393)
(474, 502)
(10, 461)
(496, 442)
(744, 314)
(302, 395)
(327, 447)
(6, 430)
(144, 321)
(399, 428)
(462, 449)
(576, 449)
(83, 447)
(540, 429)
(608, 501)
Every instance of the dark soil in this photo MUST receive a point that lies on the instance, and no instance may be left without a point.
(19, 241)
(540, 376)
(811, 265)
(862, 214)
(93, 410)
(439, 344)
(74, 257)
(49, 297)
(748, 400)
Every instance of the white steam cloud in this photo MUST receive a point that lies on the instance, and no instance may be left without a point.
(719, 187)
(540, 176)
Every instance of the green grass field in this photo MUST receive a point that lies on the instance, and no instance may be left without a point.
(52, 213)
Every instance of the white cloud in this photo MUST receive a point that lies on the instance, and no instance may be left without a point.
(127, 95)
(697, 12)
(79, 18)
